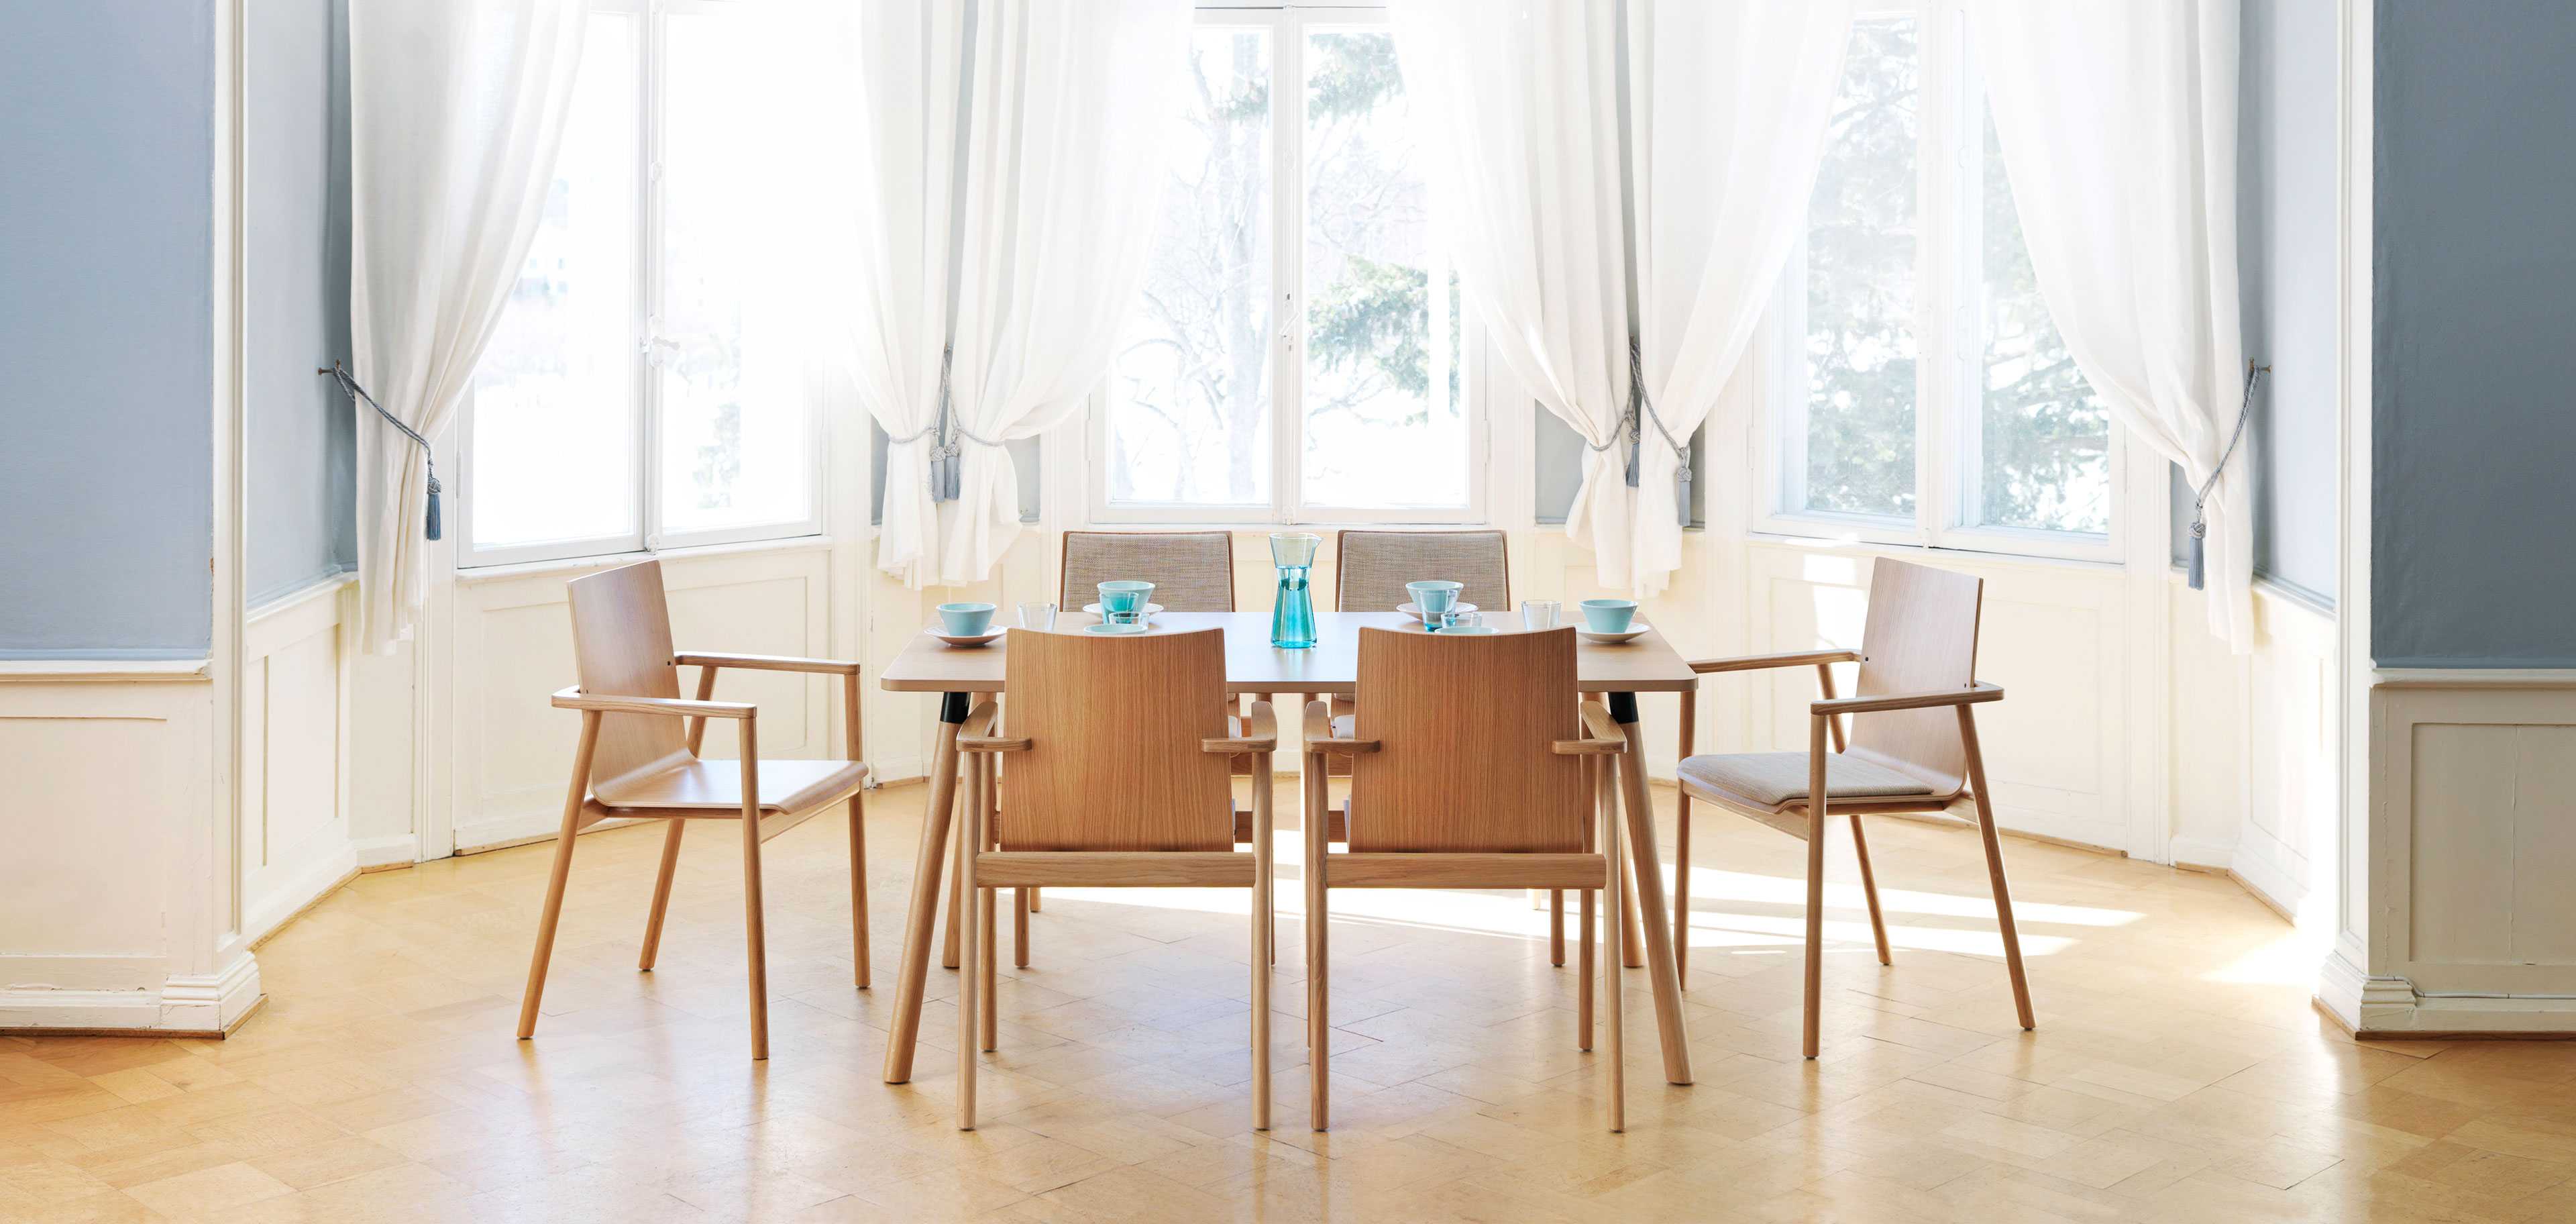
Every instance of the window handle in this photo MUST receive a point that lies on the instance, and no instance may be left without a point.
(653, 348)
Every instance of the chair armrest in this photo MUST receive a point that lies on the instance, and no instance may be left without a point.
(1602, 735)
(574, 699)
(1908, 701)
(1319, 733)
(1260, 734)
(976, 733)
(1795, 658)
(700, 658)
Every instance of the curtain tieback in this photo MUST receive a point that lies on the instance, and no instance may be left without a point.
(2198, 572)
(428, 455)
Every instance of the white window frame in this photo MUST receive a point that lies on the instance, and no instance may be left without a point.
(1288, 28)
(1949, 379)
(645, 409)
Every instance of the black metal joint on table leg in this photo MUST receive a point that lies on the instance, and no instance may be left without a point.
(952, 707)
(1623, 708)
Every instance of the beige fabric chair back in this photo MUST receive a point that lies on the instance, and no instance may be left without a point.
(1372, 567)
(621, 647)
(1192, 571)
(1467, 725)
(1114, 726)
(1922, 636)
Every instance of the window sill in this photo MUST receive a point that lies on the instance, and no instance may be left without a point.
(1926, 553)
(475, 575)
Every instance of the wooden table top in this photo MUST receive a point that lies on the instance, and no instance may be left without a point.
(1645, 664)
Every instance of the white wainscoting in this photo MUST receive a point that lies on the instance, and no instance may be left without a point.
(113, 769)
(296, 700)
(513, 750)
(2254, 740)
(2055, 636)
(2473, 836)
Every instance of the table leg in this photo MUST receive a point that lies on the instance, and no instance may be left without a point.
(1649, 880)
(928, 866)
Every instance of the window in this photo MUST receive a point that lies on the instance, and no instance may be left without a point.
(622, 403)
(1925, 395)
(1296, 351)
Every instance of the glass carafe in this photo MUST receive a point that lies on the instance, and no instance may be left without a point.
(1292, 617)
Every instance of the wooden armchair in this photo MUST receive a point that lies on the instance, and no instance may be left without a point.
(1119, 749)
(638, 758)
(1912, 747)
(1473, 767)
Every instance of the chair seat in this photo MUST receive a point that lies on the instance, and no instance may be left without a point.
(785, 786)
(1769, 779)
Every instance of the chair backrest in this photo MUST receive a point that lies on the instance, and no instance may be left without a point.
(1371, 567)
(1465, 726)
(1192, 571)
(1922, 636)
(1114, 727)
(621, 647)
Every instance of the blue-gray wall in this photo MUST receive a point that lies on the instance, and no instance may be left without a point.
(106, 328)
(2473, 362)
(300, 450)
(2289, 91)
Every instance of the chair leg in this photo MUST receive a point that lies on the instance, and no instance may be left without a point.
(1869, 889)
(1319, 1025)
(987, 902)
(1612, 993)
(858, 885)
(1022, 901)
(1033, 898)
(1585, 938)
(1264, 939)
(970, 835)
(1816, 805)
(754, 934)
(1624, 911)
(948, 955)
(1995, 869)
(547, 918)
(1556, 927)
(661, 893)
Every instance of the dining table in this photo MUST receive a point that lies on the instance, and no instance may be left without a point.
(1616, 671)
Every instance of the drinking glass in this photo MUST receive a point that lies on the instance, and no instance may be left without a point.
(1123, 602)
(1037, 616)
(1538, 614)
(1461, 620)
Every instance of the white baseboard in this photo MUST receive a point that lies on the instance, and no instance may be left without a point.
(374, 852)
(2275, 885)
(2200, 853)
(200, 1004)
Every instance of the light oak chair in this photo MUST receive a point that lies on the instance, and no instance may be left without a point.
(1473, 767)
(1370, 568)
(638, 759)
(1911, 747)
(1192, 571)
(1118, 750)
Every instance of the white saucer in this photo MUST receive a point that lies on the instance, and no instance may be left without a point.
(1108, 630)
(1150, 610)
(1635, 629)
(1465, 631)
(1415, 610)
(962, 640)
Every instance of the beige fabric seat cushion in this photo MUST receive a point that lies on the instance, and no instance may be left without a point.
(785, 786)
(1773, 778)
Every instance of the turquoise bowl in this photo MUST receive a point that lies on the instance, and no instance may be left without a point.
(1434, 597)
(966, 619)
(1609, 615)
(1124, 596)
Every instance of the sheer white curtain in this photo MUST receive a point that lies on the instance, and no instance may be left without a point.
(1520, 111)
(2118, 125)
(1728, 105)
(456, 108)
(867, 230)
(1065, 124)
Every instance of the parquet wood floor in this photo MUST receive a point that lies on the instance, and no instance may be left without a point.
(2178, 1073)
